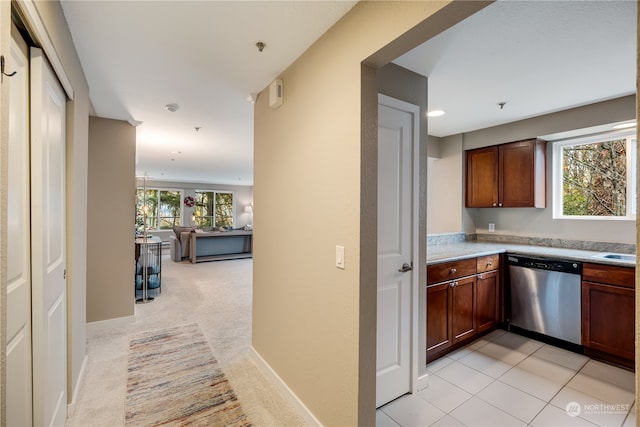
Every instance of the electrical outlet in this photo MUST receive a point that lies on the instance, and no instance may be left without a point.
(492, 227)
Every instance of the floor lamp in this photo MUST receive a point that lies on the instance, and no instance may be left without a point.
(144, 249)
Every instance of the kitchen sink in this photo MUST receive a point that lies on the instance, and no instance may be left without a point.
(621, 257)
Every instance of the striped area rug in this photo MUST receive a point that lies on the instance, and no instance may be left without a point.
(174, 380)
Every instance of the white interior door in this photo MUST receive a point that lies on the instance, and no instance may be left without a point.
(49, 312)
(396, 127)
(18, 240)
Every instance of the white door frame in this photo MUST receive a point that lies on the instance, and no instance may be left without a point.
(414, 110)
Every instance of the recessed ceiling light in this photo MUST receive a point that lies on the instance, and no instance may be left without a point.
(435, 113)
(625, 125)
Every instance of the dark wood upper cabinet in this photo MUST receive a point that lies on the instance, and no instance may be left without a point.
(482, 177)
(509, 175)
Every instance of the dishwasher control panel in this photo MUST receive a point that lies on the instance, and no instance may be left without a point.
(572, 267)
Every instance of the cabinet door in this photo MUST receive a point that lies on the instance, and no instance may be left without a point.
(438, 318)
(487, 300)
(608, 319)
(522, 174)
(482, 178)
(463, 302)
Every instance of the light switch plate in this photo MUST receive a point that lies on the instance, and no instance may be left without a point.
(340, 257)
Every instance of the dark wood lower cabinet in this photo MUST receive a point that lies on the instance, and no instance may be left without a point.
(608, 313)
(450, 314)
(487, 301)
(463, 303)
(608, 319)
(438, 318)
(463, 299)
(460, 308)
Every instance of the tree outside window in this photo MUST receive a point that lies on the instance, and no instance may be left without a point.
(213, 209)
(169, 209)
(597, 179)
(163, 209)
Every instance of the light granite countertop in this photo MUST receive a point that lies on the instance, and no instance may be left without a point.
(457, 251)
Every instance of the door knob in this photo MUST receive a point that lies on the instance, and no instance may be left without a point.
(406, 267)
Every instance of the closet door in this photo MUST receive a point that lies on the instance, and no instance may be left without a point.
(48, 244)
(19, 400)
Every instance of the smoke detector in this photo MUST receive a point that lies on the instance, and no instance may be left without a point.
(173, 107)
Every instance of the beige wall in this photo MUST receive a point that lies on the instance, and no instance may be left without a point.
(313, 323)
(446, 185)
(111, 218)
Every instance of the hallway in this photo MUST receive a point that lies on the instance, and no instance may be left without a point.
(217, 296)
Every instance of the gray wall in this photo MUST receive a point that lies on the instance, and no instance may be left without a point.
(449, 171)
(111, 218)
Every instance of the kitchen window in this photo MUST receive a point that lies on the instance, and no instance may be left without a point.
(594, 177)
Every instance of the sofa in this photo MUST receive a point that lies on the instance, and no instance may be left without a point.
(180, 243)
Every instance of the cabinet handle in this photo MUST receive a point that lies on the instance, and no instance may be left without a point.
(500, 204)
(489, 264)
(452, 284)
(453, 271)
(480, 276)
(495, 204)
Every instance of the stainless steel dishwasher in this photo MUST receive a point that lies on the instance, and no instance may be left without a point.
(545, 296)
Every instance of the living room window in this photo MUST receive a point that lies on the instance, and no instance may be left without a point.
(594, 177)
(214, 208)
(163, 206)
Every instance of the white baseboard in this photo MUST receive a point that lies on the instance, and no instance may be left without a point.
(423, 382)
(76, 386)
(301, 408)
(118, 322)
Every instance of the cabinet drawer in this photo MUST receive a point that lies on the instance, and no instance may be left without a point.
(610, 274)
(450, 270)
(488, 263)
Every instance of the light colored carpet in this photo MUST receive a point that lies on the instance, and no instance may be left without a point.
(216, 296)
(174, 380)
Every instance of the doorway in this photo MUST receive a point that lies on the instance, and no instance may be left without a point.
(397, 283)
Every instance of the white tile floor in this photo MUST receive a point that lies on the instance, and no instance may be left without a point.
(505, 379)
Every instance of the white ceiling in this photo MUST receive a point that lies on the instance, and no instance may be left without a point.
(537, 56)
(138, 56)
